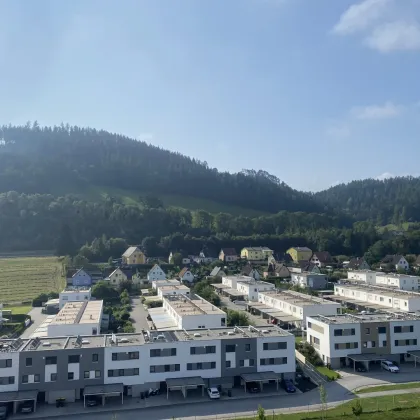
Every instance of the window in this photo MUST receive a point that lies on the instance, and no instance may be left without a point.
(74, 359)
(367, 330)
(189, 366)
(173, 352)
(110, 373)
(37, 378)
(152, 369)
(210, 349)
(411, 328)
(230, 348)
(114, 356)
(52, 360)
(199, 366)
(86, 375)
(241, 363)
(353, 331)
(407, 342)
(133, 355)
(95, 357)
(136, 371)
(53, 377)
(25, 379)
(309, 324)
(384, 343)
(192, 350)
(373, 343)
(228, 363)
(336, 346)
(338, 333)
(247, 347)
(397, 329)
(251, 362)
(29, 361)
(381, 330)
(120, 372)
(97, 373)
(8, 363)
(70, 376)
(396, 343)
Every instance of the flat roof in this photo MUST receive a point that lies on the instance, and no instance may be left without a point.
(87, 312)
(162, 319)
(368, 357)
(174, 287)
(233, 292)
(107, 389)
(361, 318)
(220, 286)
(384, 291)
(256, 283)
(18, 396)
(166, 282)
(239, 277)
(274, 312)
(297, 298)
(382, 274)
(261, 376)
(184, 382)
(192, 305)
(76, 289)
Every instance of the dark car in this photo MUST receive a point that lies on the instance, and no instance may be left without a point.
(3, 412)
(289, 386)
(27, 407)
(253, 387)
(360, 367)
(91, 401)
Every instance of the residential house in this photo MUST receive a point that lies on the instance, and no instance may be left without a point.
(358, 264)
(139, 279)
(309, 280)
(249, 271)
(228, 255)
(156, 273)
(300, 253)
(304, 266)
(204, 258)
(119, 276)
(276, 269)
(133, 256)
(397, 262)
(81, 278)
(321, 259)
(186, 275)
(185, 258)
(417, 263)
(256, 253)
(217, 272)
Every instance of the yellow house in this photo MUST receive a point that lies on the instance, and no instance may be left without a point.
(257, 253)
(133, 256)
(300, 253)
(117, 276)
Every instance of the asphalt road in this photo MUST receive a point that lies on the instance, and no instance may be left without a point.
(138, 315)
(37, 319)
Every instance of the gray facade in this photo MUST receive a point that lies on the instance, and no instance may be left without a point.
(244, 349)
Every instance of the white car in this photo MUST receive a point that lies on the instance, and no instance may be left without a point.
(213, 393)
(389, 366)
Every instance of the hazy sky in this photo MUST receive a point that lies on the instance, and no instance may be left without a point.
(314, 91)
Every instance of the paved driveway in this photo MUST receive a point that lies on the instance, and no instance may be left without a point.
(257, 321)
(138, 315)
(37, 319)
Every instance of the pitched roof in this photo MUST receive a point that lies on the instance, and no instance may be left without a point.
(257, 248)
(130, 250)
(355, 263)
(215, 271)
(323, 256)
(155, 266)
(391, 259)
(183, 271)
(301, 248)
(306, 265)
(247, 270)
(229, 251)
(127, 272)
(79, 270)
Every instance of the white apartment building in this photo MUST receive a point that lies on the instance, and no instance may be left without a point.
(251, 289)
(74, 294)
(345, 339)
(377, 278)
(173, 290)
(232, 281)
(298, 305)
(377, 298)
(168, 282)
(77, 318)
(156, 273)
(309, 280)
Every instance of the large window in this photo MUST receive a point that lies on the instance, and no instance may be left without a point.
(52, 360)
(74, 358)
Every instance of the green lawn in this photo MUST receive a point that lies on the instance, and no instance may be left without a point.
(398, 407)
(16, 310)
(331, 374)
(392, 387)
(22, 279)
(299, 339)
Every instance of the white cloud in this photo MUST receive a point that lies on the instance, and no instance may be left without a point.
(395, 36)
(360, 16)
(338, 131)
(377, 112)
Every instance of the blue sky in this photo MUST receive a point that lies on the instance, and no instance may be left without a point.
(314, 91)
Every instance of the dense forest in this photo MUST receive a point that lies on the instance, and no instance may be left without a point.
(36, 162)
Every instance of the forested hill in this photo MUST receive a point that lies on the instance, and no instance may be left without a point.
(64, 159)
(393, 200)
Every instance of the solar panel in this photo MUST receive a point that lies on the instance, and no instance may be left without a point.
(78, 341)
(35, 343)
(16, 344)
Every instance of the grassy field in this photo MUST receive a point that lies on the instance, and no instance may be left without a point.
(392, 387)
(331, 374)
(398, 407)
(21, 279)
(19, 309)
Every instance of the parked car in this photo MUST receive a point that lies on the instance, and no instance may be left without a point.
(240, 302)
(253, 387)
(91, 401)
(3, 412)
(289, 386)
(27, 407)
(214, 393)
(389, 366)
